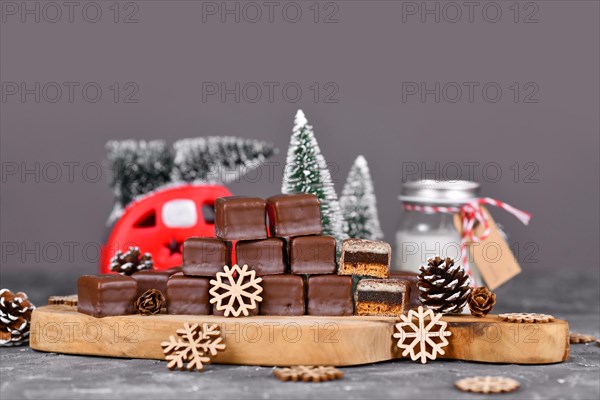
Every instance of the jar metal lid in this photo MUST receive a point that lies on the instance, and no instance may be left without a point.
(427, 191)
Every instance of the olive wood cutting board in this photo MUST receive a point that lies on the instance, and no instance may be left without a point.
(305, 340)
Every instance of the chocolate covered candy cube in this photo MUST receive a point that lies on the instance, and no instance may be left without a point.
(294, 215)
(151, 279)
(365, 258)
(205, 256)
(240, 218)
(188, 295)
(283, 295)
(412, 278)
(265, 256)
(106, 295)
(330, 295)
(382, 297)
(313, 255)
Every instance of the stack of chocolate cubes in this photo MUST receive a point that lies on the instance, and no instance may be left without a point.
(280, 238)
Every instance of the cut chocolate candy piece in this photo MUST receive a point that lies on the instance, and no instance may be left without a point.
(283, 295)
(294, 215)
(312, 255)
(188, 295)
(151, 279)
(205, 256)
(330, 295)
(382, 297)
(265, 256)
(240, 218)
(106, 295)
(412, 278)
(365, 258)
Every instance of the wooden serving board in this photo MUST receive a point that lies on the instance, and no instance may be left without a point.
(306, 340)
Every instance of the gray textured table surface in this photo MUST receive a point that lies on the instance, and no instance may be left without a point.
(572, 296)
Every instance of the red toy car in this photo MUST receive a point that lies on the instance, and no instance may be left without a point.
(160, 222)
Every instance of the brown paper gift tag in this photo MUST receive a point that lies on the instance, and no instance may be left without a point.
(492, 256)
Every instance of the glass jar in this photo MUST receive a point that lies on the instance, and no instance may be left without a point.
(424, 231)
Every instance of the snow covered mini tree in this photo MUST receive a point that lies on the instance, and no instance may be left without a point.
(141, 167)
(306, 172)
(358, 203)
(138, 167)
(217, 159)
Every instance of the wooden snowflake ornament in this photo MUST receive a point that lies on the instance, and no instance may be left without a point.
(526, 317)
(487, 384)
(308, 374)
(425, 339)
(577, 338)
(236, 291)
(193, 346)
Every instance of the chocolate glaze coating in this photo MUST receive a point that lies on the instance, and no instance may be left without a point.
(294, 215)
(151, 279)
(105, 295)
(330, 295)
(313, 255)
(240, 218)
(205, 256)
(188, 295)
(265, 256)
(283, 295)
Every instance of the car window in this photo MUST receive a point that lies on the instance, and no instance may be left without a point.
(179, 213)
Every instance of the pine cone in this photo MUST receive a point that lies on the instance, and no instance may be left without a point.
(444, 287)
(15, 314)
(131, 261)
(150, 302)
(481, 301)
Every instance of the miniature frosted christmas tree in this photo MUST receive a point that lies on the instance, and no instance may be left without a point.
(358, 204)
(306, 172)
(138, 167)
(217, 159)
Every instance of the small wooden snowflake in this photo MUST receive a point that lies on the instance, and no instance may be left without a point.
(308, 374)
(526, 317)
(576, 338)
(236, 290)
(487, 384)
(193, 346)
(419, 340)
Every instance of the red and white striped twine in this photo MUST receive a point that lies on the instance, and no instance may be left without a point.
(471, 213)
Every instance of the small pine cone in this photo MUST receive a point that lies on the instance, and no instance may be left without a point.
(443, 286)
(150, 302)
(131, 261)
(15, 315)
(481, 301)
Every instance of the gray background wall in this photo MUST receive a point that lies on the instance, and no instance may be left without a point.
(372, 54)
